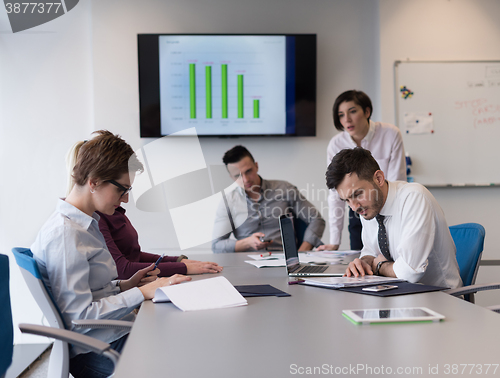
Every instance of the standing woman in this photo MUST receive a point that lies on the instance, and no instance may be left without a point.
(351, 115)
(73, 258)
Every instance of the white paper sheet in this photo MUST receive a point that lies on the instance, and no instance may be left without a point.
(204, 294)
(419, 123)
(266, 263)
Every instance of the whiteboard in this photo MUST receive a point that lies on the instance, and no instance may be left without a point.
(449, 116)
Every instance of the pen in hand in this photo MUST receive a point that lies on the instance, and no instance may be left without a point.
(157, 262)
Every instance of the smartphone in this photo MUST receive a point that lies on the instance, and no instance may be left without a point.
(379, 288)
(265, 240)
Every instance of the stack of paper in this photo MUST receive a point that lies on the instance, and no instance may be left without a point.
(338, 282)
(201, 295)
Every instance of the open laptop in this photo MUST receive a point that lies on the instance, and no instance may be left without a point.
(296, 269)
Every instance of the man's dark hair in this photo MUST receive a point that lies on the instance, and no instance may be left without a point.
(359, 98)
(357, 160)
(235, 154)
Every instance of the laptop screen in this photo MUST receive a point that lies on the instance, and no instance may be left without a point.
(289, 246)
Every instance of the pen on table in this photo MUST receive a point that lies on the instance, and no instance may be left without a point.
(266, 254)
(294, 282)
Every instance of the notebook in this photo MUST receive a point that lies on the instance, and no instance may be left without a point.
(293, 266)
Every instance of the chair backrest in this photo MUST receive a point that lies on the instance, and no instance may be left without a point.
(469, 240)
(6, 328)
(59, 357)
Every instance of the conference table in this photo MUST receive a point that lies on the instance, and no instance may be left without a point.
(305, 334)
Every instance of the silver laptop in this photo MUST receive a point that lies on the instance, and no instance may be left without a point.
(296, 269)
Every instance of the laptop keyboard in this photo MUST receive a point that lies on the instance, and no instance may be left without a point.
(312, 269)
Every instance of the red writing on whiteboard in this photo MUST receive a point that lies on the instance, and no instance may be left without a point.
(486, 121)
(470, 104)
(486, 109)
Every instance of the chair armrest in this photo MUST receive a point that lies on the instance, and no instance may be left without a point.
(102, 323)
(472, 289)
(83, 341)
(494, 308)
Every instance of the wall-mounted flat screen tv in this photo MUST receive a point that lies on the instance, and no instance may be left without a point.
(227, 85)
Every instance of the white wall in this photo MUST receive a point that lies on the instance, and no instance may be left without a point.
(347, 58)
(446, 30)
(45, 106)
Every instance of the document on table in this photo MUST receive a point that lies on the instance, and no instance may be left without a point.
(338, 282)
(204, 294)
(266, 263)
(263, 257)
(305, 258)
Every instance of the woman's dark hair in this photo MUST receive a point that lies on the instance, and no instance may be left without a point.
(359, 98)
(356, 160)
(104, 157)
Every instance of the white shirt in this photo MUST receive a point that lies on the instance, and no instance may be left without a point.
(385, 143)
(78, 269)
(420, 242)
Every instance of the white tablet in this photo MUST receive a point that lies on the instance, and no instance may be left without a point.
(387, 315)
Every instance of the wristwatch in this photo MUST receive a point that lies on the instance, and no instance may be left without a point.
(181, 257)
(379, 265)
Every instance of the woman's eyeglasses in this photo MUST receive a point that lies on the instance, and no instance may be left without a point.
(120, 186)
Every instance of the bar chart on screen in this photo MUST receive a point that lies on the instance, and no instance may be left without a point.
(223, 83)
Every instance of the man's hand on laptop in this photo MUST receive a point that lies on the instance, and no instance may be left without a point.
(252, 243)
(327, 247)
(360, 267)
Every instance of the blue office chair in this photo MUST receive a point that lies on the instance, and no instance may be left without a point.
(469, 241)
(59, 357)
(6, 329)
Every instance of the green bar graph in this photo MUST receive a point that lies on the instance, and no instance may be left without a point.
(255, 108)
(208, 85)
(192, 90)
(240, 96)
(224, 90)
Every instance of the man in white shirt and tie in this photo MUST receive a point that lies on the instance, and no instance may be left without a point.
(405, 234)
